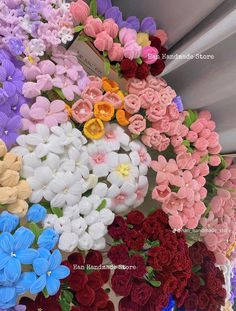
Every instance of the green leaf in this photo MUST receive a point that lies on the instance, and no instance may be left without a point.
(223, 162)
(102, 205)
(105, 54)
(134, 136)
(36, 230)
(45, 293)
(153, 243)
(139, 61)
(84, 38)
(3, 206)
(59, 93)
(190, 118)
(57, 211)
(204, 158)
(64, 305)
(186, 143)
(155, 283)
(196, 269)
(107, 66)
(93, 8)
(117, 242)
(202, 282)
(79, 28)
(67, 295)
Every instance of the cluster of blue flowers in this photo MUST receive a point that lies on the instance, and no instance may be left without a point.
(16, 250)
(170, 305)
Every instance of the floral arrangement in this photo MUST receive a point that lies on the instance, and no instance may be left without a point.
(134, 48)
(76, 152)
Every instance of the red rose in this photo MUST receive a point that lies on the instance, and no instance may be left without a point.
(203, 299)
(86, 296)
(95, 280)
(213, 283)
(194, 283)
(93, 258)
(118, 254)
(77, 280)
(155, 42)
(142, 71)
(118, 228)
(159, 298)
(128, 68)
(135, 218)
(101, 299)
(168, 239)
(76, 259)
(75, 308)
(191, 302)
(196, 256)
(134, 239)
(170, 284)
(141, 293)
(182, 279)
(160, 216)
(105, 274)
(109, 307)
(120, 284)
(157, 67)
(138, 261)
(182, 298)
(159, 257)
(126, 304)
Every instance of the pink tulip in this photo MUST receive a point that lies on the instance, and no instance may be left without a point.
(103, 42)
(110, 27)
(116, 53)
(132, 50)
(80, 11)
(127, 35)
(93, 27)
(162, 35)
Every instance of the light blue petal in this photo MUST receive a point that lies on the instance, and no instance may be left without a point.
(4, 258)
(2, 276)
(7, 294)
(25, 281)
(13, 270)
(61, 272)
(55, 260)
(27, 256)
(23, 238)
(6, 242)
(52, 286)
(40, 266)
(38, 285)
(44, 253)
(9, 304)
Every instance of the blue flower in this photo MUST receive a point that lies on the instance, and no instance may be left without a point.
(14, 251)
(179, 104)
(16, 46)
(50, 272)
(9, 291)
(103, 6)
(148, 25)
(133, 22)
(170, 305)
(48, 239)
(8, 222)
(36, 213)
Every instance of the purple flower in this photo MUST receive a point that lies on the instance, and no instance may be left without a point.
(149, 25)
(3, 96)
(103, 6)
(133, 22)
(9, 128)
(114, 13)
(33, 9)
(16, 46)
(179, 104)
(16, 308)
(12, 105)
(11, 78)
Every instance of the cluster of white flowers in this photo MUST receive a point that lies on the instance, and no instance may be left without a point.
(87, 181)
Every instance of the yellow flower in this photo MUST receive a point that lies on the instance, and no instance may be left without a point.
(122, 117)
(20, 208)
(69, 110)
(104, 111)
(121, 95)
(94, 129)
(143, 39)
(110, 85)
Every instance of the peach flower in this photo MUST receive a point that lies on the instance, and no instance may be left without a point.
(137, 124)
(82, 110)
(132, 103)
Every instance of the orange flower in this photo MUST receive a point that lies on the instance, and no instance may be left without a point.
(104, 111)
(109, 85)
(122, 96)
(94, 129)
(122, 117)
(69, 110)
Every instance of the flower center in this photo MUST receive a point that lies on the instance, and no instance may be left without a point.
(6, 132)
(49, 273)
(99, 158)
(66, 190)
(120, 198)
(13, 254)
(123, 169)
(110, 135)
(9, 78)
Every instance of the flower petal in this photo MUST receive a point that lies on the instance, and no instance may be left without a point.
(53, 285)
(13, 269)
(25, 281)
(40, 266)
(38, 285)
(55, 260)
(6, 242)
(60, 272)
(7, 293)
(27, 256)
(23, 238)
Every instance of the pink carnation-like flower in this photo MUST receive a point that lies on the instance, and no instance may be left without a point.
(82, 110)
(103, 41)
(93, 27)
(127, 35)
(135, 86)
(95, 82)
(148, 98)
(156, 83)
(149, 54)
(132, 103)
(43, 112)
(80, 11)
(137, 124)
(151, 138)
(132, 50)
(110, 27)
(116, 53)
(113, 99)
(156, 112)
(93, 94)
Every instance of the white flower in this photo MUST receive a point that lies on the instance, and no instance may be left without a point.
(36, 47)
(100, 159)
(62, 224)
(85, 242)
(67, 189)
(122, 198)
(68, 241)
(106, 216)
(85, 206)
(68, 135)
(39, 183)
(49, 221)
(30, 163)
(92, 218)
(139, 156)
(100, 190)
(97, 230)
(26, 23)
(141, 191)
(114, 138)
(91, 181)
(99, 244)
(79, 226)
(71, 211)
(79, 161)
(123, 171)
(65, 34)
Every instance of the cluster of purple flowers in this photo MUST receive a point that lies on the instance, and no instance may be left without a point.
(233, 286)
(11, 98)
(106, 9)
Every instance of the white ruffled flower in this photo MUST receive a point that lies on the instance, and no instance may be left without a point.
(122, 198)
(36, 47)
(26, 23)
(139, 156)
(99, 244)
(92, 218)
(106, 216)
(78, 162)
(100, 190)
(68, 241)
(50, 220)
(85, 206)
(31, 162)
(79, 226)
(62, 224)
(85, 242)
(71, 211)
(123, 171)
(97, 230)
(65, 34)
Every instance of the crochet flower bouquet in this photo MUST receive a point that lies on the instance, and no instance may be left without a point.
(75, 154)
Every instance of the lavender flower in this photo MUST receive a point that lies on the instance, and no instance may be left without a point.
(3, 97)
(9, 128)
(103, 6)
(233, 286)
(114, 13)
(149, 25)
(133, 22)
(16, 46)
(16, 308)
(179, 104)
